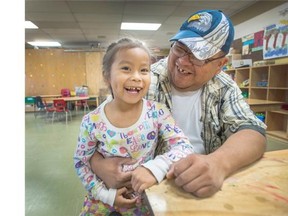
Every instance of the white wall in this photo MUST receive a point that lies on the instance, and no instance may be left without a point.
(259, 22)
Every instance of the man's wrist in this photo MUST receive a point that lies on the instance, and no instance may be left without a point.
(224, 167)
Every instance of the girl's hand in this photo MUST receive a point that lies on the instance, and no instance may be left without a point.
(142, 179)
(122, 201)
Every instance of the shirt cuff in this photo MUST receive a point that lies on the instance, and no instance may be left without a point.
(159, 167)
(105, 195)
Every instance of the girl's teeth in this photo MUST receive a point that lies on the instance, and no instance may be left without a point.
(133, 88)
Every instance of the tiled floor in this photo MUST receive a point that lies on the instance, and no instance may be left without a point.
(52, 187)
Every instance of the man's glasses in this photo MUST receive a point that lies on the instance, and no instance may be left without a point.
(180, 51)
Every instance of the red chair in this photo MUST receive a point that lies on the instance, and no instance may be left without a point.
(65, 92)
(61, 108)
(82, 103)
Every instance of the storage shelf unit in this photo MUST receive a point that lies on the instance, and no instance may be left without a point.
(278, 123)
(266, 89)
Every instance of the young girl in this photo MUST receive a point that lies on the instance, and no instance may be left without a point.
(127, 125)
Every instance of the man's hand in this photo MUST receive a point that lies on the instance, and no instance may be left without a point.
(197, 174)
(203, 175)
(142, 179)
(110, 170)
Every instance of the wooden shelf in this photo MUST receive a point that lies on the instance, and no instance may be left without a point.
(262, 102)
(284, 112)
(266, 99)
(279, 134)
(278, 88)
(257, 87)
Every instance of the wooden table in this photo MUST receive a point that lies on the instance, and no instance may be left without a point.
(76, 98)
(49, 96)
(70, 99)
(99, 98)
(96, 99)
(260, 189)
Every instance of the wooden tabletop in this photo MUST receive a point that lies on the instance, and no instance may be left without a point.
(76, 98)
(49, 96)
(260, 189)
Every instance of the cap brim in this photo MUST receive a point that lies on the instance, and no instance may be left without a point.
(184, 34)
(200, 48)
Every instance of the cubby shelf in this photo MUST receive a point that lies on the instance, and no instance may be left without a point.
(266, 89)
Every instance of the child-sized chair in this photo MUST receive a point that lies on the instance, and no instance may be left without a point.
(65, 92)
(61, 108)
(40, 106)
(84, 104)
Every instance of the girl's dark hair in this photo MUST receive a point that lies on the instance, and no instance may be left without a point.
(114, 48)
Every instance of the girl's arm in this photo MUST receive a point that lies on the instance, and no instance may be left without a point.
(175, 145)
(86, 146)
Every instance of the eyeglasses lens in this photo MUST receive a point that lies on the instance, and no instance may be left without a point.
(181, 52)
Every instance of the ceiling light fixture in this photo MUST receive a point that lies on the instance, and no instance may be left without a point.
(30, 25)
(44, 44)
(140, 26)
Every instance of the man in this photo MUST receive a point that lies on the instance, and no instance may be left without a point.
(207, 105)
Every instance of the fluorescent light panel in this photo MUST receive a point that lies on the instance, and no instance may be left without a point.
(140, 26)
(44, 44)
(30, 25)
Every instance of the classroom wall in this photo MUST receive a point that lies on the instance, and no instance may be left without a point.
(47, 71)
(94, 78)
(261, 21)
(276, 15)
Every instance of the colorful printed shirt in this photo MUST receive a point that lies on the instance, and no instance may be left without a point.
(224, 110)
(139, 141)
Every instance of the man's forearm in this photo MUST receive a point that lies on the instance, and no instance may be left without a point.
(239, 150)
(110, 170)
(94, 162)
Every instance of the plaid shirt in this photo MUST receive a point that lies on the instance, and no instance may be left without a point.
(224, 110)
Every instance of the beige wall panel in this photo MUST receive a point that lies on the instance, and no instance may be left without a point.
(94, 72)
(47, 71)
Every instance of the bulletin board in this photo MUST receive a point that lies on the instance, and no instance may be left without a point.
(275, 41)
(250, 46)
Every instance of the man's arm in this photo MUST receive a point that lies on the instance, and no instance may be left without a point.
(203, 175)
(110, 170)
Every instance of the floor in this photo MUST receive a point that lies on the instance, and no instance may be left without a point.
(51, 184)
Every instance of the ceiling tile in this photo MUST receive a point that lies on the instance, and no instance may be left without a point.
(81, 22)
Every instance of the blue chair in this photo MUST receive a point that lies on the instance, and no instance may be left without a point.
(39, 106)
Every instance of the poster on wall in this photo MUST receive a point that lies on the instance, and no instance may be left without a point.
(275, 41)
(252, 43)
(247, 42)
(258, 41)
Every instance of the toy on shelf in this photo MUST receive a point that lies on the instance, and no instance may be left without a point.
(261, 116)
(245, 83)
